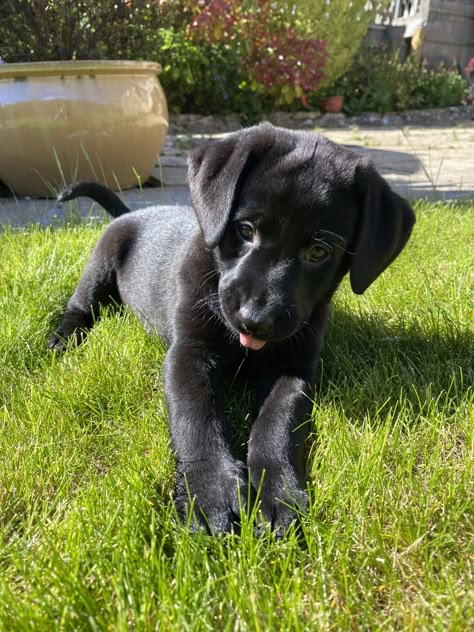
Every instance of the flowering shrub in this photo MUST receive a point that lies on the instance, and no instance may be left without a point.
(343, 24)
(469, 69)
(281, 65)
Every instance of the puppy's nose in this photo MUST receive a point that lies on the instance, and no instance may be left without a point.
(256, 324)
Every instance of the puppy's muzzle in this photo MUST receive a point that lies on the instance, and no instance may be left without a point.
(255, 324)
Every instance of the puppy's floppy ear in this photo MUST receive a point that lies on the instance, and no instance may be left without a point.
(215, 172)
(385, 224)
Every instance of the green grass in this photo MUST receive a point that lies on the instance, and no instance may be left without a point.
(88, 535)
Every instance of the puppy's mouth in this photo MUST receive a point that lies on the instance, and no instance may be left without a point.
(256, 340)
(250, 342)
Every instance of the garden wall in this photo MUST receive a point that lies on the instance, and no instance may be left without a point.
(450, 31)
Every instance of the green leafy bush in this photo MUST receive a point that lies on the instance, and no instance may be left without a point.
(374, 82)
(378, 81)
(204, 78)
(438, 87)
(343, 24)
(49, 30)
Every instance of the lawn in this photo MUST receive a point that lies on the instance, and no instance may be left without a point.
(88, 536)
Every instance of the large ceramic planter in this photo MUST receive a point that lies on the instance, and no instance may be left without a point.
(67, 121)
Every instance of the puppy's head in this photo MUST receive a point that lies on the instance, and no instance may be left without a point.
(288, 214)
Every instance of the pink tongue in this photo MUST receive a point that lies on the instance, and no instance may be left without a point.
(251, 343)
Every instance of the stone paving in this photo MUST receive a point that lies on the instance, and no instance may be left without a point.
(430, 162)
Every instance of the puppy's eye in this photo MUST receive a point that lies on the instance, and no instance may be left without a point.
(318, 252)
(245, 230)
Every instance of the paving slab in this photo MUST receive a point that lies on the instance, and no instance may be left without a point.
(434, 162)
(431, 162)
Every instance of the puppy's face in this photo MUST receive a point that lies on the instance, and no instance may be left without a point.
(288, 214)
(282, 254)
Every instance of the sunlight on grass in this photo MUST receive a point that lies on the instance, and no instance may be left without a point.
(88, 534)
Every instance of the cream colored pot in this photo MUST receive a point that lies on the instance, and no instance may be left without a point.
(67, 121)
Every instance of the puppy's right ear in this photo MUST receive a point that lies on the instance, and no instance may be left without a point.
(214, 172)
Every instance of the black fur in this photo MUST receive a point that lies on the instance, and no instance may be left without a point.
(97, 192)
(266, 201)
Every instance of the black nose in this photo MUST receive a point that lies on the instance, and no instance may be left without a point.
(254, 323)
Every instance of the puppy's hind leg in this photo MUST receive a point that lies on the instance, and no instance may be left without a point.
(97, 286)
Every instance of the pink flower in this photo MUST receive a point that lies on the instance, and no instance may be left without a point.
(470, 66)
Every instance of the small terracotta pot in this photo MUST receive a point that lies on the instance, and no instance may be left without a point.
(332, 104)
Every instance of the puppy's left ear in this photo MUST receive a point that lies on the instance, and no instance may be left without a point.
(385, 224)
(214, 171)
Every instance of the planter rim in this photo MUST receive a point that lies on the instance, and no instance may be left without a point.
(79, 67)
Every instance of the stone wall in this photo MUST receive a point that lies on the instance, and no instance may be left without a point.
(205, 125)
(450, 31)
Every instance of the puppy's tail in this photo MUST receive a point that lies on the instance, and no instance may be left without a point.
(97, 192)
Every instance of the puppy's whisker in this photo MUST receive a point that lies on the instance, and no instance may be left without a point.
(205, 309)
(207, 277)
(206, 301)
(198, 316)
(325, 243)
(199, 303)
(209, 274)
(349, 252)
(336, 245)
(210, 319)
(238, 371)
(200, 306)
(329, 232)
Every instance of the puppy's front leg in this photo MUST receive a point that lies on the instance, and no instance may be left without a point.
(276, 449)
(206, 472)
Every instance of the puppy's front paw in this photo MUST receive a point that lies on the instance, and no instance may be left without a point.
(74, 325)
(282, 498)
(58, 340)
(215, 490)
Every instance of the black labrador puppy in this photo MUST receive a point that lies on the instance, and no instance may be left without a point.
(246, 281)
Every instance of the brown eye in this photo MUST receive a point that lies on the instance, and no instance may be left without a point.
(317, 253)
(245, 231)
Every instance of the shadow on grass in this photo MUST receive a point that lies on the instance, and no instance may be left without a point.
(368, 363)
(369, 366)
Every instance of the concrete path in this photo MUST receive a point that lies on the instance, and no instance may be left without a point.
(431, 162)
